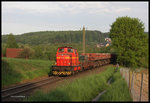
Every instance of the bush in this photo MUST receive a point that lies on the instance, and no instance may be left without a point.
(27, 53)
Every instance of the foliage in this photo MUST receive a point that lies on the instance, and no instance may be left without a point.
(3, 50)
(129, 41)
(144, 60)
(11, 42)
(45, 43)
(48, 51)
(27, 53)
(106, 49)
(50, 37)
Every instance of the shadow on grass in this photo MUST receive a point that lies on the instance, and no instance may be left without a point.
(56, 96)
(50, 71)
(9, 75)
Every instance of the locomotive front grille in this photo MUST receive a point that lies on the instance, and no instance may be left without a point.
(62, 73)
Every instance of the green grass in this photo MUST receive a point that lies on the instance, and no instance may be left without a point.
(118, 90)
(83, 89)
(16, 70)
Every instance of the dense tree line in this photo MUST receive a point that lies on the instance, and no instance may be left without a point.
(48, 51)
(47, 37)
(43, 45)
(129, 40)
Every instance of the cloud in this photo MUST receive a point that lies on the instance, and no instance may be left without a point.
(29, 16)
(122, 10)
(19, 28)
(31, 7)
(69, 7)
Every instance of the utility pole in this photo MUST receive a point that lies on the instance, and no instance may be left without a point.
(83, 39)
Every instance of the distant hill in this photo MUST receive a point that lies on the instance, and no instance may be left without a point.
(45, 37)
(146, 32)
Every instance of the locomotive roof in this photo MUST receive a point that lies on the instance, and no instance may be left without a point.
(66, 47)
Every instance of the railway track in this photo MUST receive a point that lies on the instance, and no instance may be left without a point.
(13, 91)
(17, 93)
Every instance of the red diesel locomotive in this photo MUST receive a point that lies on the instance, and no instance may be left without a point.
(67, 61)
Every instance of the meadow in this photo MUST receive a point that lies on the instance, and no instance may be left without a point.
(16, 70)
(83, 89)
(87, 88)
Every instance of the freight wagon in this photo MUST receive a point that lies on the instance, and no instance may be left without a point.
(67, 61)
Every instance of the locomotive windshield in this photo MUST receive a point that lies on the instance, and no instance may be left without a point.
(70, 50)
(61, 50)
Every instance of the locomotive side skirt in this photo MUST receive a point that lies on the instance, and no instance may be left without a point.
(65, 70)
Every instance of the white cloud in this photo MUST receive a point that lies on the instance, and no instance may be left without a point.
(122, 10)
(70, 7)
(21, 17)
(31, 7)
(17, 28)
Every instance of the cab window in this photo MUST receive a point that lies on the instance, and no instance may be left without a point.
(70, 50)
(61, 50)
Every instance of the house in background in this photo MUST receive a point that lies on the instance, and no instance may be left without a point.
(107, 39)
(100, 45)
(106, 43)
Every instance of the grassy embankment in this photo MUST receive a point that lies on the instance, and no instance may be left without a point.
(118, 90)
(83, 89)
(16, 70)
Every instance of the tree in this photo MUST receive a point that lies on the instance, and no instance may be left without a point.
(27, 53)
(3, 50)
(38, 52)
(11, 42)
(127, 35)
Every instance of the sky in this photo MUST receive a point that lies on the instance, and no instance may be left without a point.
(23, 17)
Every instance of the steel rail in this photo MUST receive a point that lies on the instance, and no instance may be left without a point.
(22, 85)
(32, 87)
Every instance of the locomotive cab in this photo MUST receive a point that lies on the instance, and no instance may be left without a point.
(67, 61)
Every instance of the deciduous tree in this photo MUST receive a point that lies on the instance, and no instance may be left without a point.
(128, 40)
(27, 53)
(11, 42)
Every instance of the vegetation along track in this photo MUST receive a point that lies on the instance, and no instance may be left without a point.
(12, 91)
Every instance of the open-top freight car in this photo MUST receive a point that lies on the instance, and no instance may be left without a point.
(67, 61)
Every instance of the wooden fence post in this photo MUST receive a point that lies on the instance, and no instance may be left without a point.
(129, 79)
(132, 81)
(141, 86)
